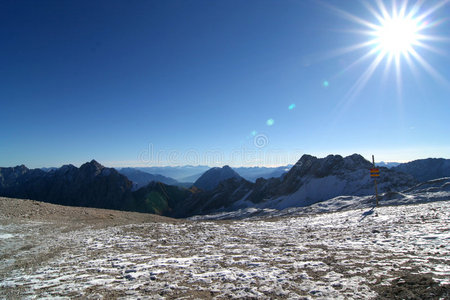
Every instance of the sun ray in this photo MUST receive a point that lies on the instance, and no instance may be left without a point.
(412, 66)
(432, 10)
(434, 38)
(402, 10)
(428, 68)
(415, 8)
(398, 75)
(373, 11)
(431, 49)
(383, 9)
(359, 60)
(349, 16)
(364, 78)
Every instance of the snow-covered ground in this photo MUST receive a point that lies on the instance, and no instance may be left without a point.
(429, 191)
(349, 254)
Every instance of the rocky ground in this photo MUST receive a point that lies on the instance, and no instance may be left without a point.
(395, 252)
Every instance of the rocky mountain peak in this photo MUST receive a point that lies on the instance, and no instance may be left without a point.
(92, 167)
(302, 166)
(211, 178)
(332, 164)
(356, 161)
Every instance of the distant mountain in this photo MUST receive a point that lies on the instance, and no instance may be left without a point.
(49, 169)
(387, 164)
(211, 178)
(141, 179)
(253, 173)
(426, 169)
(179, 173)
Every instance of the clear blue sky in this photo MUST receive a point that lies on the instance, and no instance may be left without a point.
(198, 82)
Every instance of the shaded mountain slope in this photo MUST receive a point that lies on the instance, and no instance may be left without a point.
(426, 169)
(91, 185)
(159, 198)
(211, 178)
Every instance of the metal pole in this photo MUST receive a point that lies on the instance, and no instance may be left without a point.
(375, 180)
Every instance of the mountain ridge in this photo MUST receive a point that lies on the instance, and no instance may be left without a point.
(309, 181)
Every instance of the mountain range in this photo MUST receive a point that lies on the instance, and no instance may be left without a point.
(141, 179)
(143, 176)
(186, 173)
(309, 181)
(253, 173)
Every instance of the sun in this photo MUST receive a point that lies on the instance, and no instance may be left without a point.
(397, 35)
(399, 32)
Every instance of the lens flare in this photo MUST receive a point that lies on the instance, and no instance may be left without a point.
(270, 122)
(292, 106)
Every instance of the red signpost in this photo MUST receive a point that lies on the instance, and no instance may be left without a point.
(374, 173)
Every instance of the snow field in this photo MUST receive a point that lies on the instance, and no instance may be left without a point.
(341, 255)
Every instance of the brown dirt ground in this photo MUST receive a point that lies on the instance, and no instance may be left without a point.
(30, 210)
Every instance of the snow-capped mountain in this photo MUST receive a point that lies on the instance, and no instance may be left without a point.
(387, 164)
(313, 180)
(429, 191)
(309, 181)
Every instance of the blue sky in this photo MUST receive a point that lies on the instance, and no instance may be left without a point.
(195, 82)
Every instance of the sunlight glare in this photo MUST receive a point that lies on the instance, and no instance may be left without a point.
(397, 35)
